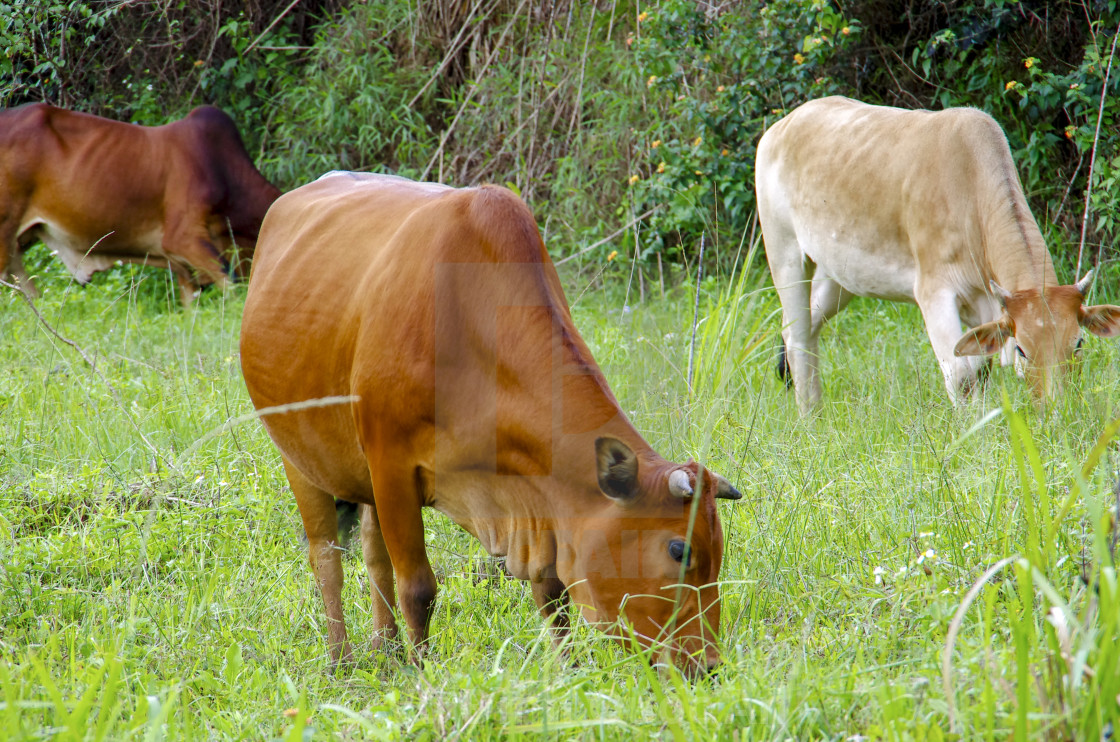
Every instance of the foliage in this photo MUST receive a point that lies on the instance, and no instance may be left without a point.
(716, 82)
(349, 108)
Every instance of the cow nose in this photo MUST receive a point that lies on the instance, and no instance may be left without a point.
(711, 668)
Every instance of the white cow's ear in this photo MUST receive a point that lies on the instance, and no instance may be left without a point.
(984, 340)
(1000, 293)
(1102, 320)
(617, 468)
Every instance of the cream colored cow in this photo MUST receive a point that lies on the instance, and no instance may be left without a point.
(919, 206)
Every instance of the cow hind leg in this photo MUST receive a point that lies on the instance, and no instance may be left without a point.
(828, 298)
(792, 281)
(12, 269)
(380, 569)
(316, 508)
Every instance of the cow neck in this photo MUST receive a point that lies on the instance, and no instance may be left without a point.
(1016, 252)
(544, 497)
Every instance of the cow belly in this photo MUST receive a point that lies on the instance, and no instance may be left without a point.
(864, 264)
(84, 255)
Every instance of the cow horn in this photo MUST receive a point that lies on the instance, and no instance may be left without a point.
(1084, 284)
(679, 486)
(1000, 292)
(724, 490)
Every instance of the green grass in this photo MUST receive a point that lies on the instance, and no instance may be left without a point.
(152, 586)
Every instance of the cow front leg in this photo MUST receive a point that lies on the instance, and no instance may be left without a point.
(398, 500)
(316, 508)
(943, 325)
(188, 244)
(551, 598)
(380, 569)
(188, 287)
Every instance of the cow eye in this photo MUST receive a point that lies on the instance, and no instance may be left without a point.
(1019, 350)
(679, 551)
(1080, 342)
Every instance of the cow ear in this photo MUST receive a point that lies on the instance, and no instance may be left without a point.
(1102, 320)
(618, 468)
(984, 340)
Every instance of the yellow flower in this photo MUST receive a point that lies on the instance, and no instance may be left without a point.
(1029, 62)
(634, 179)
(719, 89)
(612, 256)
(661, 167)
(845, 31)
(1070, 130)
(798, 58)
(642, 16)
(698, 141)
(652, 79)
(698, 172)
(723, 151)
(1011, 85)
(656, 143)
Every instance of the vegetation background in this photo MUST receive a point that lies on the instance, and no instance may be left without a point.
(901, 569)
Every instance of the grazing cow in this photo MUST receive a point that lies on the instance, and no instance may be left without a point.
(920, 206)
(183, 196)
(438, 312)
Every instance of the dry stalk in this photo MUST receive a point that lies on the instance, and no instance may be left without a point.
(1093, 157)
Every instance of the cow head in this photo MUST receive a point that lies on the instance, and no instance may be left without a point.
(645, 565)
(1046, 326)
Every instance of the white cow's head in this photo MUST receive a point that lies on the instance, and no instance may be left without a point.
(1046, 326)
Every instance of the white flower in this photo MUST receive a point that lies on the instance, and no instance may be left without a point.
(878, 572)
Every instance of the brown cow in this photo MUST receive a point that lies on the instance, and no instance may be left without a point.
(920, 206)
(184, 196)
(438, 311)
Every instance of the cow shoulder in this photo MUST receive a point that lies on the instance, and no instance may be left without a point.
(502, 224)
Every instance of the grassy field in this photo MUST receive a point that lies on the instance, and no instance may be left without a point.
(153, 583)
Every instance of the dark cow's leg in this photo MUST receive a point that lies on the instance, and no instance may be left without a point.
(316, 507)
(187, 244)
(11, 252)
(552, 599)
(398, 498)
(380, 569)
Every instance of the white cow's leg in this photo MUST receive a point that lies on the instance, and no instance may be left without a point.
(827, 300)
(943, 325)
(792, 280)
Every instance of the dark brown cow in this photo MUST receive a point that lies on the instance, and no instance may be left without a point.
(184, 196)
(438, 311)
